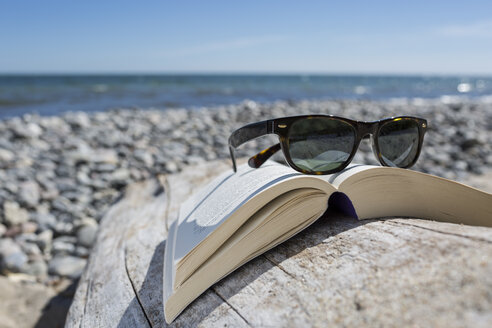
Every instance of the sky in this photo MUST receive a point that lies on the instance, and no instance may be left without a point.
(337, 37)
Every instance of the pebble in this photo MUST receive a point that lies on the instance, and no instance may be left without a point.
(12, 258)
(29, 193)
(63, 245)
(67, 266)
(57, 171)
(81, 251)
(29, 130)
(460, 166)
(31, 249)
(107, 156)
(171, 167)
(14, 214)
(44, 240)
(6, 155)
(87, 232)
(120, 177)
(37, 268)
(78, 120)
(144, 157)
(29, 227)
(62, 227)
(45, 221)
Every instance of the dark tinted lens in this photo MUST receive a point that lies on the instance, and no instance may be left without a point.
(320, 144)
(398, 142)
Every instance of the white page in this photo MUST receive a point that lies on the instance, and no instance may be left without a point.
(203, 212)
(336, 179)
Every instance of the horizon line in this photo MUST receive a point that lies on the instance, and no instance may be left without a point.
(241, 73)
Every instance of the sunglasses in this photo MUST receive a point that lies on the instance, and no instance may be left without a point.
(325, 144)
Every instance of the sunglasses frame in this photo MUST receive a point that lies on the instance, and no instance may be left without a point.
(281, 127)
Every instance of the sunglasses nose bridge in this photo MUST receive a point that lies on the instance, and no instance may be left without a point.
(367, 128)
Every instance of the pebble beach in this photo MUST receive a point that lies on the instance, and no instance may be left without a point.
(60, 174)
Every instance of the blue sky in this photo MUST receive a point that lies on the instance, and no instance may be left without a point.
(411, 37)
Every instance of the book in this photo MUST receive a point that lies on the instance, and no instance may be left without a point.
(241, 215)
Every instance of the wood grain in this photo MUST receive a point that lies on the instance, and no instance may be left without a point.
(339, 271)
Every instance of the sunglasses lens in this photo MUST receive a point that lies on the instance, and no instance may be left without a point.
(398, 142)
(320, 144)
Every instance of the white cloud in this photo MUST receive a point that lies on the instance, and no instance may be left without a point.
(239, 43)
(481, 29)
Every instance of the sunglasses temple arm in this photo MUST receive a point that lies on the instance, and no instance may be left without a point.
(244, 134)
(257, 160)
(233, 158)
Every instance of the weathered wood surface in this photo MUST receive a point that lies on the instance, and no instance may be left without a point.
(340, 271)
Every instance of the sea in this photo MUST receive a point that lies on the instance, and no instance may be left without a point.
(55, 94)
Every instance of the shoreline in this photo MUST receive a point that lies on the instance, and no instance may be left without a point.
(59, 174)
(446, 99)
(59, 93)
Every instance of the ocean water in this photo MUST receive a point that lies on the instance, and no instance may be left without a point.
(51, 95)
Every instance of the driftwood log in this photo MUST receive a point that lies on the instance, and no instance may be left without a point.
(339, 271)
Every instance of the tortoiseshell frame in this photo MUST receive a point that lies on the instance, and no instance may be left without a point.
(281, 127)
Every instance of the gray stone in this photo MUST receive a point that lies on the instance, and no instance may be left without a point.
(78, 120)
(6, 155)
(107, 156)
(31, 249)
(55, 123)
(66, 266)
(105, 194)
(44, 240)
(460, 165)
(105, 168)
(83, 178)
(64, 170)
(30, 130)
(83, 154)
(144, 157)
(34, 130)
(87, 232)
(3, 229)
(63, 245)
(66, 239)
(441, 157)
(29, 193)
(12, 187)
(29, 227)
(81, 251)
(14, 214)
(50, 192)
(45, 178)
(12, 258)
(194, 160)
(45, 220)
(25, 238)
(37, 268)
(62, 204)
(171, 167)
(66, 184)
(63, 228)
(469, 143)
(120, 175)
(74, 196)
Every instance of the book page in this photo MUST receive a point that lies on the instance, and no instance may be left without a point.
(203, 212)
(336, 179)
(388, 192)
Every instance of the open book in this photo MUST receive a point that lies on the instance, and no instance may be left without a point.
(239, 216)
